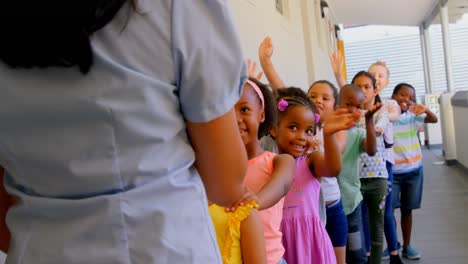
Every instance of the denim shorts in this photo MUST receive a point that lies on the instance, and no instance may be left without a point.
(337, 224)
(408, 189)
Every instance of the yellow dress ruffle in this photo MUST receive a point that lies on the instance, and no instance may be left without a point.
(227, 226)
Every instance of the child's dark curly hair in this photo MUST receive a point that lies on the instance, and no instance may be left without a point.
(289, 92)
(347, 87)
(270, 108)
(401, 85)
(294, 97)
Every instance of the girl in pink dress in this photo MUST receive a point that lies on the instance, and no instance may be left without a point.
(304, 237)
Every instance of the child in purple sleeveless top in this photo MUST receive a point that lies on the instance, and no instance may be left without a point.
(304, 236)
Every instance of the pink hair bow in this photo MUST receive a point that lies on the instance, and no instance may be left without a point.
(282, 105)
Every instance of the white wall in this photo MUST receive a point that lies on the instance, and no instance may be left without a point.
(256, 19)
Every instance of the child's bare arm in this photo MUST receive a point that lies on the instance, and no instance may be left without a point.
(284, 169)
(265, 51)
(341, 137)
(394, 112)
(337, 62)
(253, 239)
(370, 142)
(419, 109)
(252, 70)
(430, 117)
(212, 158)
(328, 163)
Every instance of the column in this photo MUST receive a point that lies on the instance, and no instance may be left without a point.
(426, 56)
(444, 18)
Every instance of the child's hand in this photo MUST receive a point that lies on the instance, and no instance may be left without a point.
(337, 62)
(378, 131)
(316, 145)
(341, 119)
(252, 69)
(418, 109)
(371, 111)
(248, 197)
(265, 50)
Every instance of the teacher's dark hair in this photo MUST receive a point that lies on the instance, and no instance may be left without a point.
(52, 33)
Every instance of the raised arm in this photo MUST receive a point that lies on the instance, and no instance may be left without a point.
(370, 142)
(393, 110)
(381, 122)
(341, 137)
(430, 117)
(337, 62)
(265, 51)
(252, 70)
(328, 163)
(284, 169)
(222, 171)
(419, 109)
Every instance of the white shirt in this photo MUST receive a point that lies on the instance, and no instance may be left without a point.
(329, 185)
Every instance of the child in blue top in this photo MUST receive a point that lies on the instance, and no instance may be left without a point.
(407, 170)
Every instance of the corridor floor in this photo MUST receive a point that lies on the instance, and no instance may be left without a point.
(440, 227)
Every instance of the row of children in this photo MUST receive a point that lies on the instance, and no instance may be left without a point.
(326, 151)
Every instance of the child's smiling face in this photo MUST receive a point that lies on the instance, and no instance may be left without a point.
(404, 97)
(249, 114)
(295, 130)
(322, 96)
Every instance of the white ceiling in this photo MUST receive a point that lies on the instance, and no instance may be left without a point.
(391, 12)
(456, 10)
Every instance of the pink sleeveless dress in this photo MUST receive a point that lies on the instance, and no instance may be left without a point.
(259, 173)
(304, 237)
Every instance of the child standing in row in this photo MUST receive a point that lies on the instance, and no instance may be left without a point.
(304, 236)
(373, 172)
(382, 74)
(239, 234)
(408, 174)
(358, 140)
(325, 97)
(269, 176)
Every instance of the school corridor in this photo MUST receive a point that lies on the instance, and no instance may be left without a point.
(440, 227)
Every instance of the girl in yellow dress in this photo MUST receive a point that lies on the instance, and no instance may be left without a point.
(239, 234)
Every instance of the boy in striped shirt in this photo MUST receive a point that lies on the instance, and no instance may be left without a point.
(407, 170)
